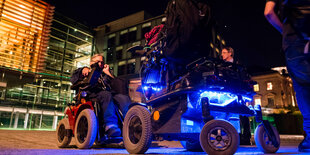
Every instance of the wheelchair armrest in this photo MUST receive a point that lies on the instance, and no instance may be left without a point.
(199, 62)
(79, 84)
(136, 49)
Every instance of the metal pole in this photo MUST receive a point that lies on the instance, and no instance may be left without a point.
(16, 120)
(26, 119)
(62, 65)
(11, 117)
(55, 122)
(33, 103)
(41, 118)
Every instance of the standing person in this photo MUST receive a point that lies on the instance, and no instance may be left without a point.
(228, 54)
(104, 95)
(188, 30)
(295, 30)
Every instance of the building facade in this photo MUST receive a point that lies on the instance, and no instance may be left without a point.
(36, 98)
(25, 26)
(274, 91)
(112, 39)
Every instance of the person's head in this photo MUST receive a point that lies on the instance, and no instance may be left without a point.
(97, 58)
(227, 53)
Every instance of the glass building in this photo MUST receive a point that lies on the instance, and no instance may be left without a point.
(34, 95)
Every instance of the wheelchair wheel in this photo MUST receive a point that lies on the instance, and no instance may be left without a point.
(85, 129)
(62, 135)
(262, 141)
(219, 137)
(137, 130)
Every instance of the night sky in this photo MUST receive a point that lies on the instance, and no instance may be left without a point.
(241, 23)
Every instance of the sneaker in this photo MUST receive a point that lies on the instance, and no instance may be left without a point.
(113, 131)
(304, 146)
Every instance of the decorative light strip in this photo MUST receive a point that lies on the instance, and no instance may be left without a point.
(222, 98)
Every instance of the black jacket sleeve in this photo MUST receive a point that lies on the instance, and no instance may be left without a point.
(76, 75)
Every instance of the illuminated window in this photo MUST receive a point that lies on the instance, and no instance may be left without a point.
(256, 87)
(257, 101)
(269, 86)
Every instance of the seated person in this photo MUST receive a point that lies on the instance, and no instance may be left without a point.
(228, 54)
(105, 95)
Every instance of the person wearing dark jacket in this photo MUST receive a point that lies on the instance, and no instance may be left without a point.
(188, 31)
(105, 95)
(294, 24)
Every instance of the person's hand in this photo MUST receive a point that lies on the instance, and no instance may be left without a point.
(106, 69)
(85, 71)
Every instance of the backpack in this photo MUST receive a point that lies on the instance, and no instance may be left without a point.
(154, 35)
(188, 29)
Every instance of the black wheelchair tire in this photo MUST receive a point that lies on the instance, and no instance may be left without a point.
(63, 138)
(142, 128)
(85, 139)
(231, 140)
(260, 139)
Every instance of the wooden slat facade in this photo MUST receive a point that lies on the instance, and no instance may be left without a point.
(24, 33)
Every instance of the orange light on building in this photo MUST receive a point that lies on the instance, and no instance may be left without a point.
(24, 31)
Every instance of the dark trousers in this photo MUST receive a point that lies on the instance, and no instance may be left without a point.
(120, 102)
(298, 65)
(109, 104)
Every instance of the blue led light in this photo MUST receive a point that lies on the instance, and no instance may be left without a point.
(152, 87)
(246, 99)
(223, 98)
(156, 88)
(145, 88)
(83, 93)
(219, 98)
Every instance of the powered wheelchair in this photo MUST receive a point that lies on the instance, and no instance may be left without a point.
(84, 118)
(200, 108)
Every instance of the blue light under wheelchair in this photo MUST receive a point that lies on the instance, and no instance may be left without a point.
(223, 98)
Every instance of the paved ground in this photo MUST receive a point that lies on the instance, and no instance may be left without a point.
(43, 142)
